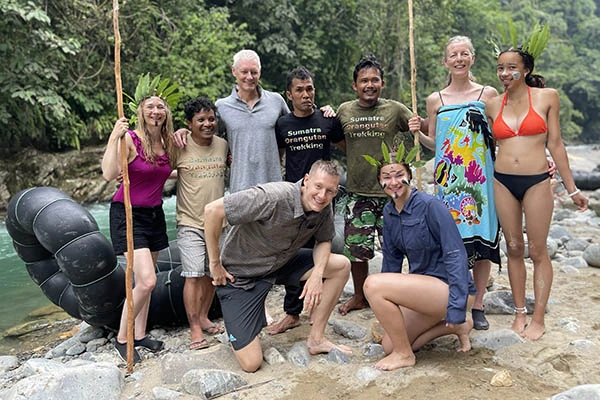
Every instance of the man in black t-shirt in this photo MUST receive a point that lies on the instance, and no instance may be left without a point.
(303, 136)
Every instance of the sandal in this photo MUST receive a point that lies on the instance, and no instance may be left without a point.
(480, 323)
(214, 329)
(199, 345)
(150, 344)
(122, 352)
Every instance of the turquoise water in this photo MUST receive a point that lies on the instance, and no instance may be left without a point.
(19, 295)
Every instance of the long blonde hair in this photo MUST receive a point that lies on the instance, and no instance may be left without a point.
(459, 39)
(165, 132)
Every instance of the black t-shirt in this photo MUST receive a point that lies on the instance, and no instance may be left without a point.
(306, 140)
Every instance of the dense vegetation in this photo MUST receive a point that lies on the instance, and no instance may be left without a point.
(57, 83)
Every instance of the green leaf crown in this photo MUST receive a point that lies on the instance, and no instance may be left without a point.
(156, 86)
(534, 45)
(398, 157)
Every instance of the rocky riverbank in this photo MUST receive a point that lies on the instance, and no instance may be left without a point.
(53, 356)
(67, 359)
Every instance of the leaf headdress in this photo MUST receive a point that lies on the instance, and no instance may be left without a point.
(398, 157)
(156, 86)
(533, 45)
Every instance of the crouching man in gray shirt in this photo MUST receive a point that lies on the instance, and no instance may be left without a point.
(270, 224)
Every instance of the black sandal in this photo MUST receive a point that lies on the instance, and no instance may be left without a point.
(480, 323)
(122, 352)
(150, 344)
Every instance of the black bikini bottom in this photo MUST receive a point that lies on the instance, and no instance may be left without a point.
(518, 185)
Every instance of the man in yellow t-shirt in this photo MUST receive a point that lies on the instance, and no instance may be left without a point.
(201, 169)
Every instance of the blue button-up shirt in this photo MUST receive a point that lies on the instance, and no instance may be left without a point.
(425, 233)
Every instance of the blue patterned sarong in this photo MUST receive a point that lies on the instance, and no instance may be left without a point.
(463, 173)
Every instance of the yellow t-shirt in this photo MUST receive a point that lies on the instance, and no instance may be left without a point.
(201, 179)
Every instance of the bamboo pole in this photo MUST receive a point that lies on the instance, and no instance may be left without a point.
(127, 199)
(413, 80)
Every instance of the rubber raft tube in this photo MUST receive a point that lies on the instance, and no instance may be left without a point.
(75, 266)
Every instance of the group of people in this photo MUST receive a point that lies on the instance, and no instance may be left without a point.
(267, 231)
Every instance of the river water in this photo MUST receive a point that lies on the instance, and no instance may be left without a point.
(19, 295)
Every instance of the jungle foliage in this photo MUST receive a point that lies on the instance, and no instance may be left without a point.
(57, 74)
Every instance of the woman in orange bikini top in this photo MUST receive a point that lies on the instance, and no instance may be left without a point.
(521, 180)
(532, 124)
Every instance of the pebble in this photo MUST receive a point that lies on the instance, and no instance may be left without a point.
(592, 255)
(348, 329)
(501, 379)
(299, 355)
(211, 382)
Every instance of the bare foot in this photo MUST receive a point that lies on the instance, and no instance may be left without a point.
(519, 323)
(289, 322)
(352, 304)
(534, 331)
(396, 360)
(325, 346)
(462, 332)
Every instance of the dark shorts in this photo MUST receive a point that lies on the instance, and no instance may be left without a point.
(244, 309)
(149, 228)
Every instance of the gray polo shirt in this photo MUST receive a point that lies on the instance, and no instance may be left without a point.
(269, 226)
(251, 137)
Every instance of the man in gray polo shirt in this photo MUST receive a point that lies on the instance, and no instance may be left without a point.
(270, 224)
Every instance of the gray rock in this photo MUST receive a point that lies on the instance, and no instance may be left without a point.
(174, 365)
(582, 344)
(211, 382)
(592, 255)
(501, 302)
(8, 363)
(94, 344)
(273, 357)
(552, 246)
(76, 349)
(559, 232)
(372, 350)
(94, 381)
(348, 329)
(577, 244)
(575, 262)
(338, 357)
(582, 392)
(62, 348)
(161, 393)
(569, 269)
(299, 355)
(570, 324)
(494, 340)
(367, 374)
(562, 214)
(35, 366)
(90, 333)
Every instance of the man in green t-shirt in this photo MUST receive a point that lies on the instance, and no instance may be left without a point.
(367, 122)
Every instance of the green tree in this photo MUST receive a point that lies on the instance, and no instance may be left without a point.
(32, 108)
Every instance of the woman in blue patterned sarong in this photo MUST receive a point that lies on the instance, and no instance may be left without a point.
(464, 169)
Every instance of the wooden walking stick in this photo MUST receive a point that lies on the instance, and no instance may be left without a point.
(413, 80)
(127, 199)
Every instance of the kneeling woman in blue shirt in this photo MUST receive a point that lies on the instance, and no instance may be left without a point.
(432, 299)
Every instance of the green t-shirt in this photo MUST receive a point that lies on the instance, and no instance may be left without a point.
(364, 129)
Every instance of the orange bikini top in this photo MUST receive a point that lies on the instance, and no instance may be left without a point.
(532, 124)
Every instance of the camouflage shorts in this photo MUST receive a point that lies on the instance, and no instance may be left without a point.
(363, 219)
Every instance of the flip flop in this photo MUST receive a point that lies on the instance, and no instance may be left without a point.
(214, 329)
(199, 345)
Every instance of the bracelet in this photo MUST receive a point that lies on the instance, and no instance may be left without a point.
(574, 193)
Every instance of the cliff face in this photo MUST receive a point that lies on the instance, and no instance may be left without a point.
(77, 173)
